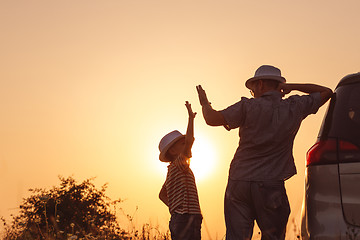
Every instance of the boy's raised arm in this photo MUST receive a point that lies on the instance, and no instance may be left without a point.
(189, 137)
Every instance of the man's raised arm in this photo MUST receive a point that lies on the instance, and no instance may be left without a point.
(325, 92)
(211, 116)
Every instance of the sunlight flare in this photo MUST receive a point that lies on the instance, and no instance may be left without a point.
(203, 158)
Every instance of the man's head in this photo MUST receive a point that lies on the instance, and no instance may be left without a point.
(261, 86)
(266, 78)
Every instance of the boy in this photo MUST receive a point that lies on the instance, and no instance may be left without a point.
(179, 191)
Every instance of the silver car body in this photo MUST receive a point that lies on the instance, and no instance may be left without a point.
(331, 207)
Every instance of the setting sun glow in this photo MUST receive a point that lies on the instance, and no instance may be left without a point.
(88, 89)
(203, 158)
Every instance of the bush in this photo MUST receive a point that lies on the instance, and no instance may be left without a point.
(71, 211)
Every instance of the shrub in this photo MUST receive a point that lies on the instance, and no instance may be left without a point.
(71, 211)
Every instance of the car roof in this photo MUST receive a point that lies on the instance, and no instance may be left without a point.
(349, 79)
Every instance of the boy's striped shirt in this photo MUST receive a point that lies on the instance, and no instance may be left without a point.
(181, 187)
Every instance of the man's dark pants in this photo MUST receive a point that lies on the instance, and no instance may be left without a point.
(263, 201)
(185, 226)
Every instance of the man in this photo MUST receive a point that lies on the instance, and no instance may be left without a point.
(263, 160)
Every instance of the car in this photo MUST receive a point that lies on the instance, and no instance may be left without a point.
(331, 206)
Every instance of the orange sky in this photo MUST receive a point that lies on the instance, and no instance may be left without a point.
(88, 88)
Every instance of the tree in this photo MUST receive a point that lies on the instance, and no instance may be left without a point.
(71, 211)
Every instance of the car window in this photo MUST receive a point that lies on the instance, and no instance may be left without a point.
(354, 108)
(345, 119)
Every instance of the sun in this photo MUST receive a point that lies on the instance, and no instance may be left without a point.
(203, 158)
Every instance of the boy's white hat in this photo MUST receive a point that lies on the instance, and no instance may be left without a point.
(266, 72)
(166, 142)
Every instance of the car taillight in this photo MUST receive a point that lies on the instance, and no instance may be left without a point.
(325, 152)
(347, 146)
(315, 155)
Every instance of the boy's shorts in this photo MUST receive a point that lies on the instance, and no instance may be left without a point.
(185, 226)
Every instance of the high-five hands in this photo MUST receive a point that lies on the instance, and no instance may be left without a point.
(202, 96)
(190, 111)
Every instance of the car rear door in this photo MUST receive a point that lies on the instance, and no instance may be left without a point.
(346, 129)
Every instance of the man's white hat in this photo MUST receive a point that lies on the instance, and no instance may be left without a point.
(266, 72)
(166, 142)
